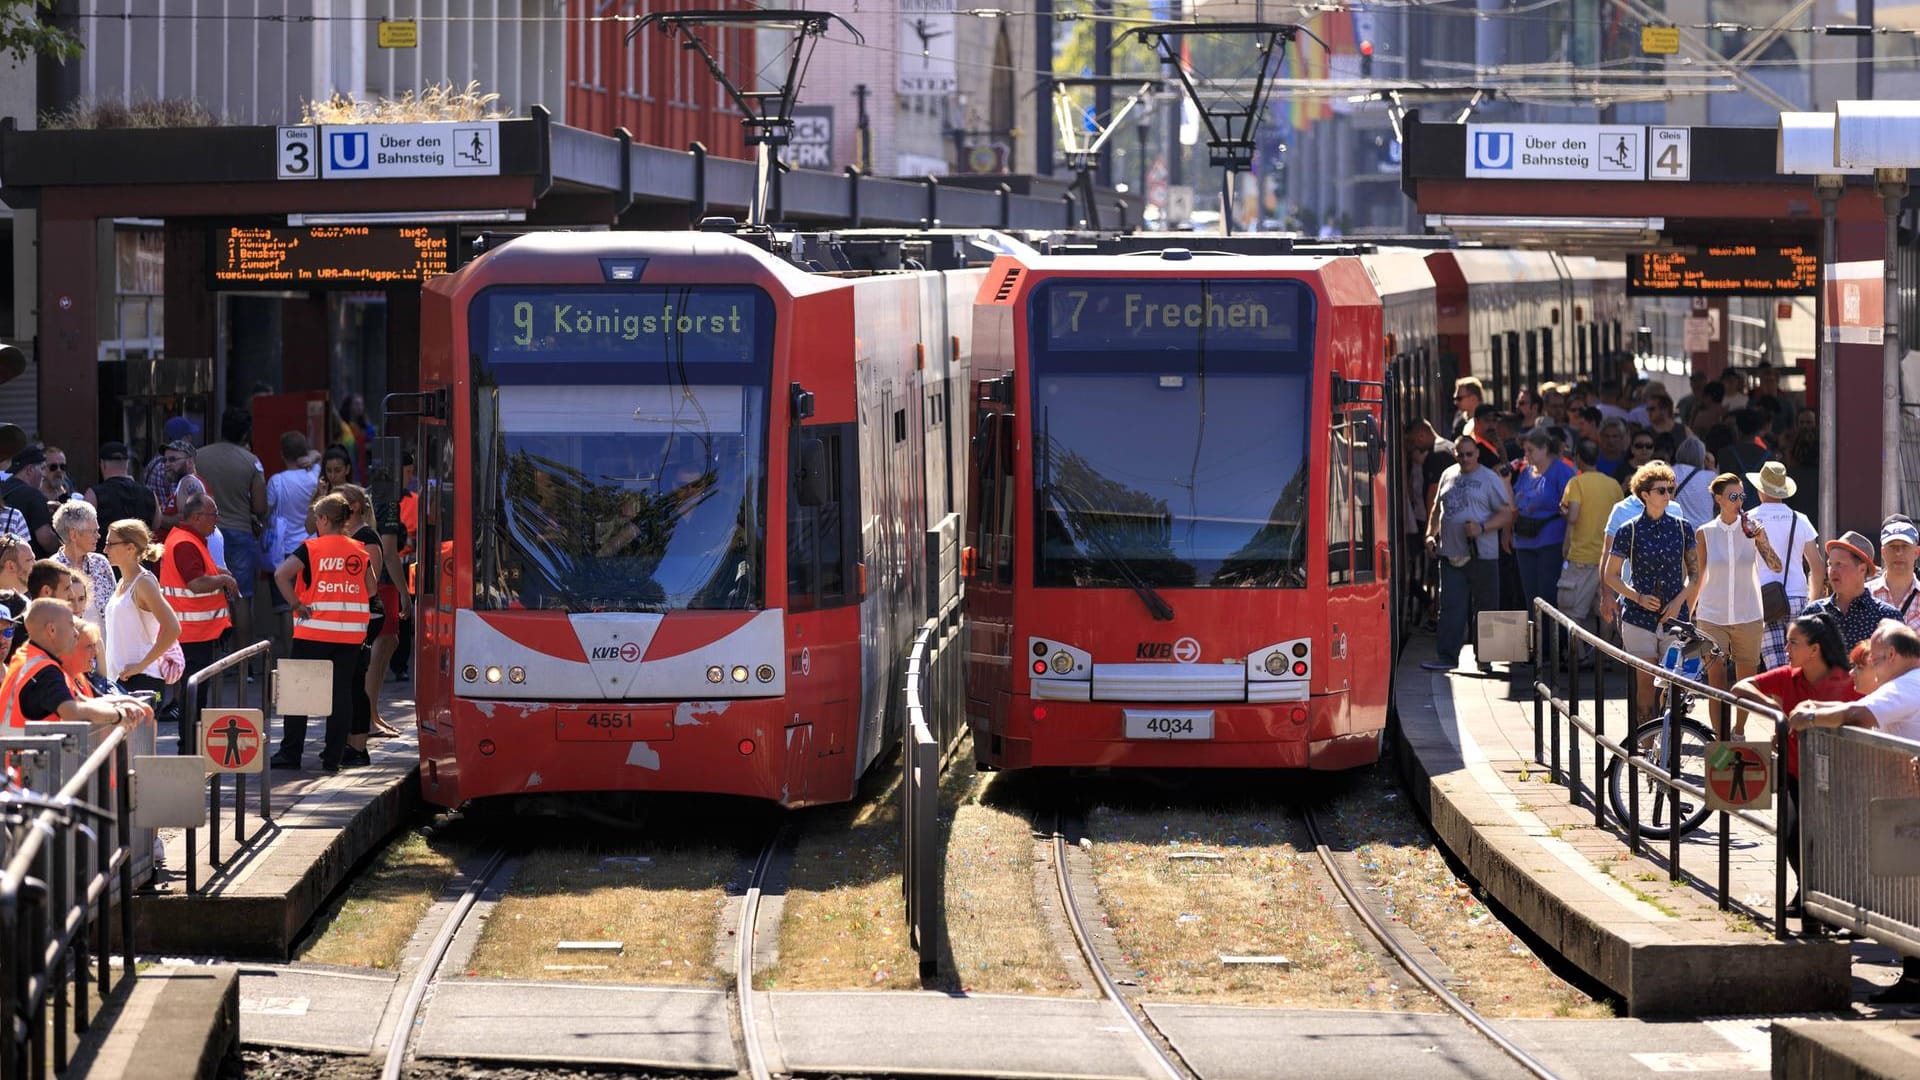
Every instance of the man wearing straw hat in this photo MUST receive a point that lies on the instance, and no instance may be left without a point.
(1849, 565)
(1803, 572)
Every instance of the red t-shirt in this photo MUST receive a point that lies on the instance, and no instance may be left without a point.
(1792, 688)
(187, 560)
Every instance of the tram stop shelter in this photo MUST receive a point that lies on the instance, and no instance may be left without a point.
(296, 211)
(1617, 188)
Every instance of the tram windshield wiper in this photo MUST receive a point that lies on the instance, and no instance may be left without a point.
(1103, 554)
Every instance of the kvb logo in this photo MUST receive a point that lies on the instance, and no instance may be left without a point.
(1493, 149)
(1184, 651)
(626, 651)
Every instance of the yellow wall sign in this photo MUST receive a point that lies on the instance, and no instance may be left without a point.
(1660, 40)
(401, 34)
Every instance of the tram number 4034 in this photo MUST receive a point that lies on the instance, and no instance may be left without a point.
(1142, 724)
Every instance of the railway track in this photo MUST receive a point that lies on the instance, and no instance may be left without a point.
(1166, 1061)
(407, 1024)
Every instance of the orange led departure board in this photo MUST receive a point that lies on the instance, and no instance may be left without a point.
(1726, 270)
(329, 256)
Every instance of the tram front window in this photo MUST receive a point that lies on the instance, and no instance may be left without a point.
(621, 450)
(1170, 421)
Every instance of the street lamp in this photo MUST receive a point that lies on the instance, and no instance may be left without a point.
(1884, 136)
(1806, 149)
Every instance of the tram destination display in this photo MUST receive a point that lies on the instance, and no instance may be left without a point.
(1725, 270)
(1103, 315)
(329, 256)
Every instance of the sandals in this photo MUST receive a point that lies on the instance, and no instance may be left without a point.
(381, 730)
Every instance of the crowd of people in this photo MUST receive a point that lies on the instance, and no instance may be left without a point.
(1627, 511)
(113, 592)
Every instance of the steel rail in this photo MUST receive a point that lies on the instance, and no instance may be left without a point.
(403, 1030)
(1108, 988)
(1413, 966)
(743, 963)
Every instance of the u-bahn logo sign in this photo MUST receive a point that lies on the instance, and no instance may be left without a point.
(1557, 151)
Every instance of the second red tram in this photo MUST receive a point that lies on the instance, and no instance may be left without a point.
(1178, 533)
(677, 488)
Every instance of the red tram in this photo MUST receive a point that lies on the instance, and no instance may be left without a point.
(1178, 532)
(678, 488)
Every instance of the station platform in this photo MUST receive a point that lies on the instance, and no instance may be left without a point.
(258, 901)
(1663, 947)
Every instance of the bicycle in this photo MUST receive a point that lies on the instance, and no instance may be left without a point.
(1654, 741)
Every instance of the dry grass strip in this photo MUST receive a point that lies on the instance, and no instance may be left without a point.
(1501, 976)
(996, 930)
(369, 925)
(659, 901)
(1174, 919)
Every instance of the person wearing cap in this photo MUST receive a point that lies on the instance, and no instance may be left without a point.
(1804, 570)
(118, 496)
(1896, 585)
(1849, 567)
(21, 491)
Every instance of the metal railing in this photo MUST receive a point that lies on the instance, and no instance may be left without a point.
(1859, 820)
(67, 854)
(229, 672)
(935, 716)
(1558, 720)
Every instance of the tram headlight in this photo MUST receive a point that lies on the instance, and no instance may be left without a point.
(493, 673)
(516, 674)
(1062, 664)
(470, 673)
(714, 674)
(739, 673)
(1276, 664)
(764, 673)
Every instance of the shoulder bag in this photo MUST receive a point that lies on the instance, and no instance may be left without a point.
(1774, 606)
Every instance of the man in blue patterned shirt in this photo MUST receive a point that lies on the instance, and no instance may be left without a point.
(1849, 565)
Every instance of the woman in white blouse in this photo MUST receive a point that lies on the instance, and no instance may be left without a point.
(1732, 547)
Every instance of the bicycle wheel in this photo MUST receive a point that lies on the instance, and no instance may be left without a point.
(1659, 808)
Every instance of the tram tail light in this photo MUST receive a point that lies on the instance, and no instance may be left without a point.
(1280, 672)
(968, 556)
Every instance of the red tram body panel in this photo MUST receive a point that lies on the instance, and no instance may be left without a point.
(1178, 543)
(635, 588)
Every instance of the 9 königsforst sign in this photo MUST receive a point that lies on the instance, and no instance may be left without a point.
(387, 151)
(1557, 151)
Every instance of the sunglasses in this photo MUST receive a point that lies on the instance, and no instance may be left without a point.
(1734, 494)
(1643, 446)
(56, 466)
(1664, 489)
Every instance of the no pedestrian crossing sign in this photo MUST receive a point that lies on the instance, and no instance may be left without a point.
(232, 740)
(1739, 774)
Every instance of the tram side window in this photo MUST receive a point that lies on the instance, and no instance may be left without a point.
(993, 497)
(822, 544)
(1364, 438)
(1340, 503)
(436, 513)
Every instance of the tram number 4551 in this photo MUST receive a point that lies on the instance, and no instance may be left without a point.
(593, 725)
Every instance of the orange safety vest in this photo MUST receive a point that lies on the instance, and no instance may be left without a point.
(203, 616)
(29, 661)
(335, 590)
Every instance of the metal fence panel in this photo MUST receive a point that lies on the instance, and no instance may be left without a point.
(1859, 823)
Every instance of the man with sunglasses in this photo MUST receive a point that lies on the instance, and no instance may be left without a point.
(56, 483)
(21, 491)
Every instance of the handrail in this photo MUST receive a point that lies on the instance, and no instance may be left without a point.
(237, 661)
(54, 902)
(1553, 630)
(931, 679)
